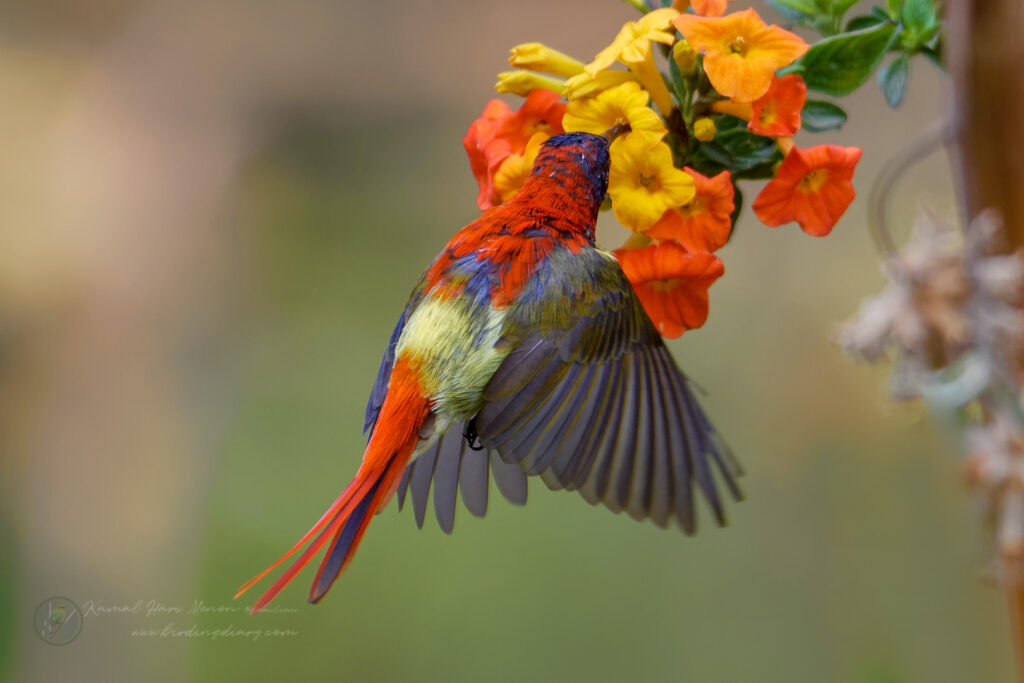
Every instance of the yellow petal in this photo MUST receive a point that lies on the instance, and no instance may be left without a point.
(585, 85)
(643, 183)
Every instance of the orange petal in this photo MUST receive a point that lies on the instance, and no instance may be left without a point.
(741, 53)
(777, 112)
(500, 133)
(672, 285)
(813, 187)
(704, 223)
(709, 8)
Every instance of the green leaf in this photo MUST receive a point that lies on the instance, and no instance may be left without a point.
(893, 80)
(818, 116)
(839, 65)
(861, 23)
(737, 199)
(918, 15)
(681, 92)
(729, 122)
(739, 150)
(839, 7)
(805, 8)
(934, 54)
(763, 171)
(802, 15)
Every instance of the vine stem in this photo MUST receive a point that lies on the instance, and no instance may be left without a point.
(986, 60)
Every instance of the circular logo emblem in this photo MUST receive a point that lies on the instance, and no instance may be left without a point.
(58, 621)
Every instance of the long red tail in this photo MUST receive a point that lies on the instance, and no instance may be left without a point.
(392, 443)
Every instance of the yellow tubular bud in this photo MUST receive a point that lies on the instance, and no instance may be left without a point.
(685, 57)
(704, 129)
(539, 57)
(784, 144)
(522, 83)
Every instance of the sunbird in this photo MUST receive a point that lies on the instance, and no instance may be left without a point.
(524, 351)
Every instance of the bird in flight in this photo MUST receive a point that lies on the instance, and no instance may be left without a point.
(524, 351)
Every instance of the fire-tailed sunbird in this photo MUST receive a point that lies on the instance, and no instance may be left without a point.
(523, 351)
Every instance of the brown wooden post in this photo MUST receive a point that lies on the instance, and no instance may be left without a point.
(985, 50)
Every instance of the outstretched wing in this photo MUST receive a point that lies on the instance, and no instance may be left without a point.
(590, 398)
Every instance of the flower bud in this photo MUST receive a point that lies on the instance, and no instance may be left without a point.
(522, 83)
(685, 57)
(539, 57)
(704, 129)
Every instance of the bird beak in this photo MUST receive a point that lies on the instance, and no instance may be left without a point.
(615, 131)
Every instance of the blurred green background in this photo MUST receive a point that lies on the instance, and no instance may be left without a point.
(211, 214)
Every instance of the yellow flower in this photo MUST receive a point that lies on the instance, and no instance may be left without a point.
(632, 47)
(740, 52)
(584, 86)
(704, 129)
(522, 83)
(633, 43)
(626, 103)
(514, 171)
(538, 57)
(643, 183)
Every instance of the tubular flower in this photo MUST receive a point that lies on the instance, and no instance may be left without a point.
(500, 132)
(703, 223)
(643, 183)
(740, 52)
(539, 57)
(632, 47)
(522, 83)
(626, 103)
(813, 187)
(709, 8)
(515, 169)
(777, 112)
(633, 41)
(585, 86)
(671, 284)
(774, 114)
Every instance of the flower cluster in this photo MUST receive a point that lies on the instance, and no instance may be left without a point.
(721, 112)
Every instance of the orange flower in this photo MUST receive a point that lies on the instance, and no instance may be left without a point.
(813, 187)
(671, 284)
(703, 223)
(709, 8)
(515, 169)
(500, 133)
(777, 112)
(740, 52)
